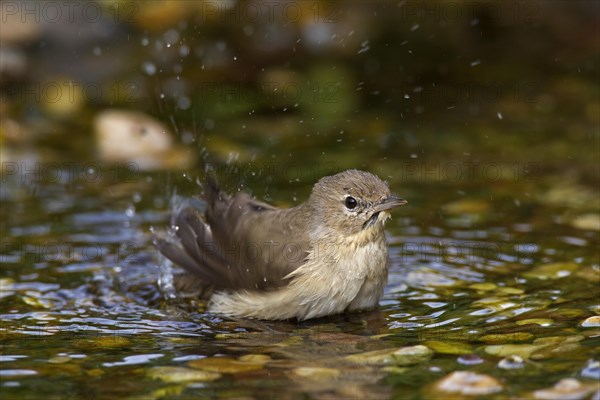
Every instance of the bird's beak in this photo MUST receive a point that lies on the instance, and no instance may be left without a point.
(382, 208)
(388, 203)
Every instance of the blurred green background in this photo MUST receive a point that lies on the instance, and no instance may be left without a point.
(506, 80)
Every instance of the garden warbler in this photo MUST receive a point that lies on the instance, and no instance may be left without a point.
(325, 256)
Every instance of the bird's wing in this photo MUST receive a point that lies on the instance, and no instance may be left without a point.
(244, 243)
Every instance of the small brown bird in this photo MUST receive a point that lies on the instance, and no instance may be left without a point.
(325, 256)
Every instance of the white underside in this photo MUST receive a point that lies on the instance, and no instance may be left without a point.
(333, 280)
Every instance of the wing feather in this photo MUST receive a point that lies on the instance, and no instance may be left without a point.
(244, 243)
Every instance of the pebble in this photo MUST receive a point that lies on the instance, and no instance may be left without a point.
(537, 321)
(511, 362)
(510, 290)
(552, 271)
(540, 348)
(506, 350)
(412, 355)
(255, 358)
(317, 373)
(225, 365)
(449, 347)
(402, 356)
(181, 374)
(103, 342)
(568, 388)
(470, 359)
(133, 137)
(468, 383)
(591, 322)
(590, 222)
(483, 286)
(591, 370)
(59, 359)
(506, 337)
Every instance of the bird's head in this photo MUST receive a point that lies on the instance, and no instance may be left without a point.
(352, 202)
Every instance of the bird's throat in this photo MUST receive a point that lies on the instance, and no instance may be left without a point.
(380, 216)
(371, 221)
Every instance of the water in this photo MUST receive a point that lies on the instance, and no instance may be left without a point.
(494, 262)
(81, 307)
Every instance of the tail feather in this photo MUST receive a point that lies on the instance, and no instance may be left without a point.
(196, 251)
(176, 254)
(197, 243)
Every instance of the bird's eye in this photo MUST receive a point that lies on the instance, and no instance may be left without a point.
(350, 203)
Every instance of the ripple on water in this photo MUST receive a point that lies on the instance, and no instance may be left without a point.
(134, 360)
(17, 372)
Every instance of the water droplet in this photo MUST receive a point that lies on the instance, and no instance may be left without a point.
(171, 37)
(183, 103)
(184, 50)
(149, 68)
(364, 47)
(130, 211)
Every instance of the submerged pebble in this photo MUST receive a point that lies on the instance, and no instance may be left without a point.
(59, 359)
(511, 362)
(483, 286)
(510, 290)
(255, 358)
(506, 350)
(540, 348)
(537, 321)
(103, 342)
(552, 271)
(468, 383)
(412, 355)
(591, 370)
(469, 359)
(589, 222)
(226, 365)
(402, 356)
(506, 337)
(591, 322)
(317, 373)
(181, 374)
(568, 388)
(449, 347)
